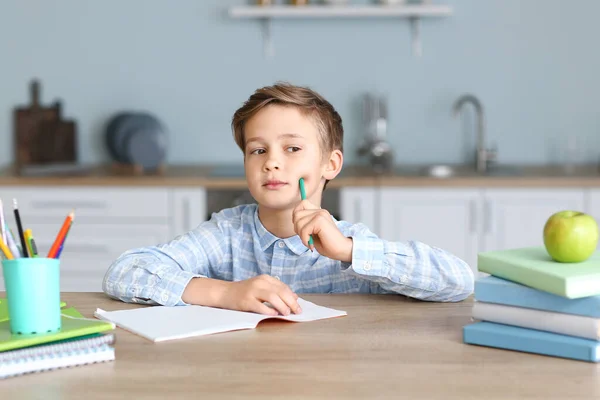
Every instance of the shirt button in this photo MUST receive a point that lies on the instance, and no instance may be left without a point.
(367, 266)
(281, 244)
(165, 297)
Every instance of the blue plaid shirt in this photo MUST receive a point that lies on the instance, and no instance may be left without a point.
(234, 245)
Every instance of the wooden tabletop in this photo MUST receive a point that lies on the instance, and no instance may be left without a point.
(387, 347)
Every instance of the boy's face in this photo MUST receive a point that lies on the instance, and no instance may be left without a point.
(282, 146)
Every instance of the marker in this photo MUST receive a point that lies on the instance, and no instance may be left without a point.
(20, 229)
(303, 196)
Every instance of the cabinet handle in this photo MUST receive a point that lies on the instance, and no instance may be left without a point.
(69, 205)
(356, 210)
(185, 225)
(473, 216)
(489, 218)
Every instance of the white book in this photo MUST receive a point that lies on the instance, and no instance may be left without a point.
(160, 323)
(566, 324)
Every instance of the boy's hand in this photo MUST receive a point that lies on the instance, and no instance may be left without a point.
(328, 240)
(249, 295)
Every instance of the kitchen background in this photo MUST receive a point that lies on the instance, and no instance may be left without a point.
(533, 65)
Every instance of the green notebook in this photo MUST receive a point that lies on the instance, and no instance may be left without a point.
(73, 327)
(533, 267)
(4, 309)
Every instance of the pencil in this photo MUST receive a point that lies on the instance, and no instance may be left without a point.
(6, 251)
(28, 237)
(20, 229)
(61, 235)
(303, 196)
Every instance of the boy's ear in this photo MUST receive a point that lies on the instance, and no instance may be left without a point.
(334, 165)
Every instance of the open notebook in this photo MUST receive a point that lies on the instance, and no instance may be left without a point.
(160, 323)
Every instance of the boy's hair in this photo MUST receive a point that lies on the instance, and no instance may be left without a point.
(309, 102)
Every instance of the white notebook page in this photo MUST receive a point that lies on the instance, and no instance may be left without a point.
(160, 323)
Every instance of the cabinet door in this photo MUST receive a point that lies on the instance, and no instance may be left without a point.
(188, 209)
(358, 204)
(442, 218)
(516, 217)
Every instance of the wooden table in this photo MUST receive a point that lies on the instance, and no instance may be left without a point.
(387, 347)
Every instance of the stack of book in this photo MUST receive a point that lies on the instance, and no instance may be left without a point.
(533, 304)
(80, 341)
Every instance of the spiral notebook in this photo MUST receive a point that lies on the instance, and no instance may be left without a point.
(69, 353)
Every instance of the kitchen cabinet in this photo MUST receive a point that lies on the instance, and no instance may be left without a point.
(447, 219)
(468, 221)
(593, 204)
(108, 221)
(516, 217)
(360, 204)
(188, 209)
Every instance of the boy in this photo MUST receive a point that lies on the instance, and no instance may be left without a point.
(248, 255)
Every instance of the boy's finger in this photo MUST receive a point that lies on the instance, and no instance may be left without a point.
(278, 304)
(291, 300)
(262, 308)
(301, 222)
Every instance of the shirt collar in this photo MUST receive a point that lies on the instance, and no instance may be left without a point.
(266, 238)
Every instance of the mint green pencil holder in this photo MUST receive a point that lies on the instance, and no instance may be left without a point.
(33, 294)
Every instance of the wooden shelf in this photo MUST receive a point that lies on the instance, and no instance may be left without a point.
(289, 11)
(413, 12)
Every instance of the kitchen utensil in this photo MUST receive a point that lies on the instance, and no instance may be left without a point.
(135, 138)
(26, 124)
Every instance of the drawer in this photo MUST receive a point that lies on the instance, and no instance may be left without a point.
(104, 202)
(100, 239)
(91, 249)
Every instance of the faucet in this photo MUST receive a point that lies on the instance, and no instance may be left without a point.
(483, 156)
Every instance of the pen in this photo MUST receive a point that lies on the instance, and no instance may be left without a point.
(34, 248)
(303, 196)
(3, 223)
(61, 235)
(59, 251)
(20, 228)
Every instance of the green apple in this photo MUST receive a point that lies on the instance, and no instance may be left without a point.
(570, 236)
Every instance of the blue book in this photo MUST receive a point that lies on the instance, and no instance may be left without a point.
(509, 337)
(501, 291)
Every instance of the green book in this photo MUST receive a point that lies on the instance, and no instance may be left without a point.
(533, 267)
(73, 325)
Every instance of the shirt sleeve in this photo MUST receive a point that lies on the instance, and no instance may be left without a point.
(410, 268)
(159, 274)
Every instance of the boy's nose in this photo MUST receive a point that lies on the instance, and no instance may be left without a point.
(271, 165)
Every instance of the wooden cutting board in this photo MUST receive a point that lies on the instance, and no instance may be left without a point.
(40, 136)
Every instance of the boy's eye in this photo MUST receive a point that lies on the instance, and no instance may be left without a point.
(293, 149)
(257, 151)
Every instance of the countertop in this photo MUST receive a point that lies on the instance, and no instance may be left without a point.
(207, 176)
(387, 347)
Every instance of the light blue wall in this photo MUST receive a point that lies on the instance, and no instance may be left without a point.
(533, 63)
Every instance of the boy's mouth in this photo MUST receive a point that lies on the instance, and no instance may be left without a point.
(274, 184)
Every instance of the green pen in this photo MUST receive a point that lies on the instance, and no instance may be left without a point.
(303, 196)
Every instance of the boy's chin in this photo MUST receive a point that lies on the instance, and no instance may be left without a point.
(277, 204)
